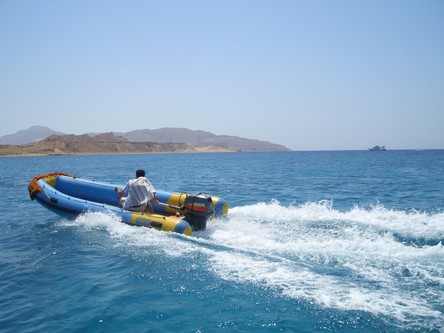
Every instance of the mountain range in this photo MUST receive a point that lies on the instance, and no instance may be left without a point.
(105, 143)
(43, 139)
(29, 135)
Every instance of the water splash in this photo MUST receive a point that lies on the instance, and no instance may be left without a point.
(345, 260)
(132, 237)
(409, 223)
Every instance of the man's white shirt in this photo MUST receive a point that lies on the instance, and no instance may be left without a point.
(138, 192)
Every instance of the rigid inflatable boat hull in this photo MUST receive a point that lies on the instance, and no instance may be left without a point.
(69, 196)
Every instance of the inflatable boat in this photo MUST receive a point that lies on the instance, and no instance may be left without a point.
(179, 212)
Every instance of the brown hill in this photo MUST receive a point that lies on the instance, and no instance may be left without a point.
(199, 139)
(101, 143)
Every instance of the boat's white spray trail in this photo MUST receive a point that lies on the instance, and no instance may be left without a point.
(346, 260)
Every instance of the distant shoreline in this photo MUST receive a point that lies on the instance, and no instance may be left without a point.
(116, 153)
(204, 152)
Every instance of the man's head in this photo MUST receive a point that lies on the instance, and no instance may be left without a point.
(140, 173)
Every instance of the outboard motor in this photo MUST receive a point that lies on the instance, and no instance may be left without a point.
(197, 209)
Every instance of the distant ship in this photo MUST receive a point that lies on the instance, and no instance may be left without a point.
(378, 148)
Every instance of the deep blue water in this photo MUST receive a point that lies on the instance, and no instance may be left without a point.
(315, 242)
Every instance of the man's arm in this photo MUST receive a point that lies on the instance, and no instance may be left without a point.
(154, 199)
(123, 192)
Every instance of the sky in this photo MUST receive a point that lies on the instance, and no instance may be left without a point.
(312, 75)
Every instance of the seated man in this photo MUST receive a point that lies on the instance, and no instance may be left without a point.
(138, 194)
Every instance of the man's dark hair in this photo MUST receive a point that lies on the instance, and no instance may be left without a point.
(140, 173)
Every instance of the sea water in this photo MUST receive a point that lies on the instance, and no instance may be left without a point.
(314, 242)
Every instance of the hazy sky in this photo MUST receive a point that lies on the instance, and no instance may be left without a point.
(310, 75)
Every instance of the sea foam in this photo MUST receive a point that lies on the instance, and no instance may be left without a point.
(346, 260)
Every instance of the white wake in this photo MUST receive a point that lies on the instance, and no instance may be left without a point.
(346, 260)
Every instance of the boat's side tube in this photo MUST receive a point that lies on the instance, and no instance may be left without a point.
(165, 223)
